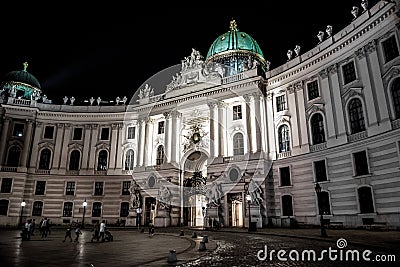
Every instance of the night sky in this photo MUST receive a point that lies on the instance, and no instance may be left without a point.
(111, 50)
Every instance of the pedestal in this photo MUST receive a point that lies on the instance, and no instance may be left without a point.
(131, 220)
(162, 219)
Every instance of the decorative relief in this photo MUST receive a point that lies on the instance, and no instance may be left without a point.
(146, 92)
(370, 47)
(212, 105)
(88, 126)
(60, 125)
(167, 115)
(323, 74)
(314, 108)
(360, 53)
(392, 73)
(332, 69)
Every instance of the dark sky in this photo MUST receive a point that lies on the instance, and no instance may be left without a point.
(113, 49)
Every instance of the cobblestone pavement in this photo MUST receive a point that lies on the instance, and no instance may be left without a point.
(226, 247)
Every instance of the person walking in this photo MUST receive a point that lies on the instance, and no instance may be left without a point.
(68, 233)
(102, 230)
(33, 226)
(43, 227)
(96, 232)
(151, 229)
(77, 232)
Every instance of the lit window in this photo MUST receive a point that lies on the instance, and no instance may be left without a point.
(356, 116)
(284, 138)
(237, 112)
(161, 127)
(280, 103)
(98, 188)
(131, 132)
(238, 144)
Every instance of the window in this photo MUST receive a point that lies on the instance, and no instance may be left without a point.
(287, 206)
(96, 211)
(160, 155)
(78, 132)
(237, 112)
(6, 184)
(49, 132)
(349, 72)
(131, 132)
(102, 160)
(18, 130)
(320, 171)
(395, 90)
(323, 203)
(4, 207)
(40, 187)
(70, 189)
(285, 176)
(317, 129)
(124, 212)
(361, 163)
(312, 88)
(280, 103)
(37, 208)
(161, 127)
(98, 188)
(67, 211)
(44, 161)
(74, 160)
(129, 157)
(105, 134)
(356, 116)
(390, 49)
(283, 138)
(13, 156)
(365, 200)
(125, 188)
(238, 144)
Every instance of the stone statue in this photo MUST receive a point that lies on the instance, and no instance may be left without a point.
(117, 100)
(164, 197)
(124, 99)
(320, 36)
(146, 91)
(91, 100)
(98, 101)
(289, 54)
(268, 65)
(255, 192)
(297, 50)
(364, 5)
(354, 12)
(214, 194)
(44, 98)
(72, 100)
(329, 30)
(13, 92)
(135, 200)
(65, 99)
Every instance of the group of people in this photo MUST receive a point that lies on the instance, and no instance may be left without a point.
(28, 228)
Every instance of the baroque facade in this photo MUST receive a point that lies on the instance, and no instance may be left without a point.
(227, 140)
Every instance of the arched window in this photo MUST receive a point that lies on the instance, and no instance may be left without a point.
(44, 161)
(102, 160)
(37, 208)
(124, 212)
(356, 116)
(160, 155)
(317, 129)
(396, 97)
(238, 144)
(14, 154)
(96, 211)
(129, 156)
(284, 139)
(67, 211)
(74, 160)
(323, 203)
(287, 205)
(4, 207)
(365, 200)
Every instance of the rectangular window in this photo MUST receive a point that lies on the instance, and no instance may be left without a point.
(125, 187)
(349, 72)
(161, 127)
(124, 212)
(37, 208)
(78, 132)
(237, 112)
(280, 103)
(320, 171)
(49, 132)
(361, 163)
(96, 211)
(18, 130)
(6, 184)
(131, 132)
(98, 188)
(40, 187)
(312, 88)
(70, 189)
(67, 212)
(285, 176)
(390, 49)
(105, 134)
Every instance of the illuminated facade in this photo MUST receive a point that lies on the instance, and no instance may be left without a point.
(225, 128)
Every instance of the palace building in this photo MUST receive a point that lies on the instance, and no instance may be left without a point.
(227, 140)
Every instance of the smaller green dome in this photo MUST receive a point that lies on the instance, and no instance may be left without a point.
(234, 41)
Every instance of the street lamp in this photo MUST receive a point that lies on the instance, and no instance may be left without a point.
(318, 191)
(248, 198)
(84, 204)
(23, 204)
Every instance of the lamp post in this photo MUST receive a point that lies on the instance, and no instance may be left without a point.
(318, 191)
(248, 198)
(84, 204)
(23, 204)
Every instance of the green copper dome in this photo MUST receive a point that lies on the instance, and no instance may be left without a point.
(234, 42)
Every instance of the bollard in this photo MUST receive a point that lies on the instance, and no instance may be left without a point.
(194, 235)
(202, 246)
(172, 256)
(182, 233)
(205, 239)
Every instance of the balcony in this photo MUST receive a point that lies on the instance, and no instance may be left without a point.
(235, 158)
(318, 147)
(39, 171)
(357, 136)
(9, 169)
(233, 78)
(396, 124)
(284, 155)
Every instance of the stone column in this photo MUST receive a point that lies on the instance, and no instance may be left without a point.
(142, 132)
(64, 150)
(257, 121)
(176, 135)
(221, 128)
(294, 127)
(329, 111)
(57, 149)
(27, 144)
(35, 146)
(113, 148)
(213, 131)
(93, 141)
(120, 156)
(148, 142)
(301, 118)
(3, 152)
(86, 146)
(270, 126)
(250, 123)
(167, 143)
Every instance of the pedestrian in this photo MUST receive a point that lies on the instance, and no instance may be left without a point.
(96, 232)
(68, 233)
(102, 230)
(43, 227)
(33, 226)
(151, 229)
(77, 232)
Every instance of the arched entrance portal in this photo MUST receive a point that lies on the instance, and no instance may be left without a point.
(194, 188)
